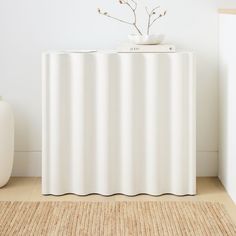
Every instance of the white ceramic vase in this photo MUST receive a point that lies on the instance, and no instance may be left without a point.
(6, 142)
(152, 39)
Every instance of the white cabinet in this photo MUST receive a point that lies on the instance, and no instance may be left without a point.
(227, 89)
(119, 123)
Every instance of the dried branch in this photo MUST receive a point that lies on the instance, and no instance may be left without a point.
(135, 4)
(132, 4)
(150, 14)
(133, 8)
(107, 15)
(161, 15)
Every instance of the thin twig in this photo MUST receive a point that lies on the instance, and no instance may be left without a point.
(134, 13)
(135, 3)
(155, 20)
(123, 21)
(149, 19)
(150, 14)
(154, 9)
(126, 2)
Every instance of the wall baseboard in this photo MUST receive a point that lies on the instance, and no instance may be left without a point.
(28, 164)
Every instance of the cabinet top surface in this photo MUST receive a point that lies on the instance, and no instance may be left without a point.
(61, 52)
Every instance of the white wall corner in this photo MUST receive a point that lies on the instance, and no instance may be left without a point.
(229, 187)
(207, 163)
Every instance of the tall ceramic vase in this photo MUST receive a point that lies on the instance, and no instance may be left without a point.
(6, 142)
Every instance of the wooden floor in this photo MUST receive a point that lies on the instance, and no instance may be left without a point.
(29, 189)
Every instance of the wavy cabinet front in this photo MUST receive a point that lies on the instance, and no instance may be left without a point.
(119, 123)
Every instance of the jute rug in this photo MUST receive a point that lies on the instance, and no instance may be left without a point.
(114, 218)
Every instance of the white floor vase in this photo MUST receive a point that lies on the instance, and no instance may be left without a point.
(6, 142)
(119, 123)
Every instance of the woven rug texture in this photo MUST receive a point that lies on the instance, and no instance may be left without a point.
(114, 218)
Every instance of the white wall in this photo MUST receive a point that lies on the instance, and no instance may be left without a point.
(28, 27)
(227, 147)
